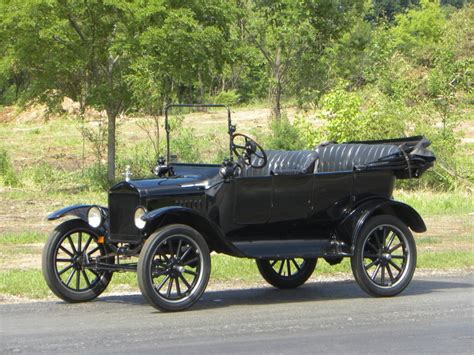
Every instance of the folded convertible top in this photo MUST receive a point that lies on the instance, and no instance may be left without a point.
(407, 157)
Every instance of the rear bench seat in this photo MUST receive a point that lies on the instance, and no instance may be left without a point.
(327, 158)
(344, 157)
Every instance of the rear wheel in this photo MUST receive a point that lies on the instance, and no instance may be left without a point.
(286, 273)
(69, 249)
(384, 258)
(174, 268)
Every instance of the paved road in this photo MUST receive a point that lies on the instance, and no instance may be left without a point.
(434, 315)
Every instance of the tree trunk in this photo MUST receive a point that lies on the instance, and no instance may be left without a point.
(275, 86)
(276, 100)
(111, 116)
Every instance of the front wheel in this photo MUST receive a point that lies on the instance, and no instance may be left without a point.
(174, 268)
(384, 257)
(286, 273)
(70, 248)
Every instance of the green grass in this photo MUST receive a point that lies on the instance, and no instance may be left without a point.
(22, 238)
(437, 203)
(445, 260)
(25, 283)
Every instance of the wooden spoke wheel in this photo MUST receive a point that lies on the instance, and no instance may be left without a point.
(67, 258)
(385, 256)
(174, 268)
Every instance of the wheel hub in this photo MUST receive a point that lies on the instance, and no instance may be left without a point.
(175, 269)
(387, 256)
(79, 260)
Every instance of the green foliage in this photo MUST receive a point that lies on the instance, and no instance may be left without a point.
(310, 135)
(229, 98)
(388, 9)
(419, 30)
(93, 178)
(354, 116)
(291, 36)
(185, 144)
(181, 49)
(141, 159)
(283, 135)
(406, 67)
(8, 175)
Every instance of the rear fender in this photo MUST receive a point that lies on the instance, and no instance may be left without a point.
(351, 226)
(211, 232)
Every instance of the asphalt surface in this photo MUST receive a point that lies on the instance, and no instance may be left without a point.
(434, 315)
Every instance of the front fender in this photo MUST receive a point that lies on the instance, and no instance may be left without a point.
(211, 232)
(153, 215)
(351, 225)
(79, 211)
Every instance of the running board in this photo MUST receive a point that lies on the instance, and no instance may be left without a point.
(300, 248)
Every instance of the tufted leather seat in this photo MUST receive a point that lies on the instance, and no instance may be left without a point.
(343, 157)
(284, 162)
(327, 158)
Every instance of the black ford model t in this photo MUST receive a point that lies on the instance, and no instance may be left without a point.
(285, 209)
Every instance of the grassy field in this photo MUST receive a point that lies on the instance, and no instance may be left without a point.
(46, 158)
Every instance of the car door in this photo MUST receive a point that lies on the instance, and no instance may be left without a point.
(292, 197)
(252, 199)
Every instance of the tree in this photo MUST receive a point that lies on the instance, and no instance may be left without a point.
(74, 49)
(286, 31)
(182, 49)
(387, 9)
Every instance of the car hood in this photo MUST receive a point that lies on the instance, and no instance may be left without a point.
(163, 186)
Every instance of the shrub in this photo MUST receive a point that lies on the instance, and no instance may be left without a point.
(94, 177)
(283, 135)
(184, 143)
(8, 175)
(361, 116)
(229, 98)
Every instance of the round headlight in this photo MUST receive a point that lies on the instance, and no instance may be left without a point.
(139, 222)
(94, 217)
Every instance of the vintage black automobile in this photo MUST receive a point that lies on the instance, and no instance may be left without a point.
(285, 209)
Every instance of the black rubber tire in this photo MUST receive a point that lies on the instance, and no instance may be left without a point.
(274, 278)
(403, 278)
(49, 267)
(146, 261)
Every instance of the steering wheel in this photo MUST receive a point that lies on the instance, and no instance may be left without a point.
(247, 150)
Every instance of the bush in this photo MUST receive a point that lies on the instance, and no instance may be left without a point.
(419, 30)
(8, 175)
(184, 143)
(310, 135)
(283, 135)
(229, 98)
(361, 116)
(94, 177)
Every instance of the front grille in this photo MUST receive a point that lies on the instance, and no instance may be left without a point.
(122, 207)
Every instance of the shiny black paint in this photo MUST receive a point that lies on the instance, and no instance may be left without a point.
(316, 214)
(79, 211)
(314, 209)
(349, 228)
